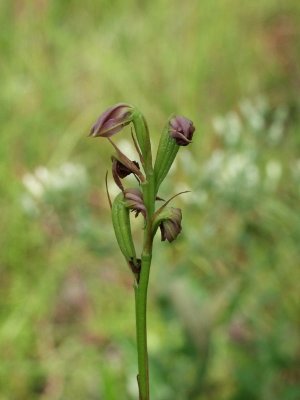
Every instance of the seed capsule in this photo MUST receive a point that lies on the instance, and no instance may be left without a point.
(122, 228)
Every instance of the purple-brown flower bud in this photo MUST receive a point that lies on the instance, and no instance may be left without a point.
(182, 130)
(134, 201)
(170, 225)
(112, 120)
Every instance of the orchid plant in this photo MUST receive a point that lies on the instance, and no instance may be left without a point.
(142, 201)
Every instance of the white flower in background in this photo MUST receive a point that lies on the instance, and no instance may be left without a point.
(239, 170)
(68, 176)
(252, 176)
(33, 185)
(43, 175)
(231, 170)
(214, 164)
(228, 127)
(234, 126)
(262, 104)
(276, 130)
(253, 115)
(228, 168)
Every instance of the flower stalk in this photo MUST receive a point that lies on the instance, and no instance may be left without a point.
(178, 132)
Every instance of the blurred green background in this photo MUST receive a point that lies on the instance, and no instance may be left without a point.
(224, 298)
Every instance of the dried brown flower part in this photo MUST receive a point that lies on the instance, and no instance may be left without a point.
(170, 225)
(134, 201)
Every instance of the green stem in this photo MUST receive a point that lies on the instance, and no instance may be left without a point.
(141, 328)
(141, 289)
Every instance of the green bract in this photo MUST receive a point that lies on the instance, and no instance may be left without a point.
(143, 138)
(166, 153)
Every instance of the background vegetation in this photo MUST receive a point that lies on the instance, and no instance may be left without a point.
(224, 298)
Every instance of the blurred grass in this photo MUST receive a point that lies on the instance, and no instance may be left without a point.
(224, 303)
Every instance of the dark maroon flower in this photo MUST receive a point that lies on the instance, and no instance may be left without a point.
(112, 120)
(182, 130)
(122, 169)
(134, 201)
(170, 227)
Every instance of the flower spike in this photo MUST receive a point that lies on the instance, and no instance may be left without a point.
(178, 131)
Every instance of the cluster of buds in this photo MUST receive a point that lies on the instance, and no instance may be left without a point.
(141, 200)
